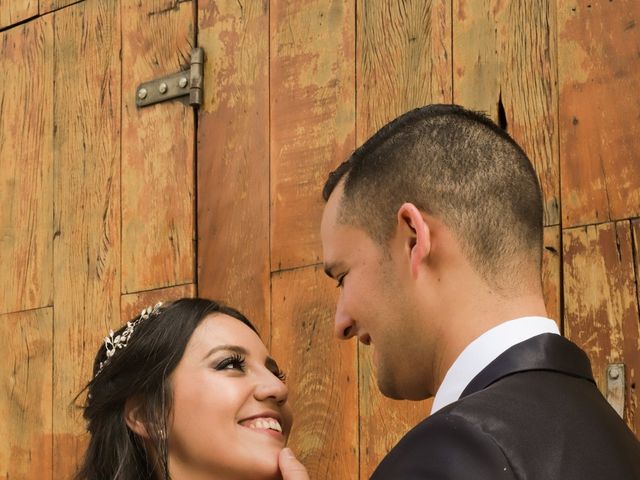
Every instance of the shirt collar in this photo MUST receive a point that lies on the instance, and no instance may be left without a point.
(483, 350)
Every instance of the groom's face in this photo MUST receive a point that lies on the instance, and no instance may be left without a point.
(373, 305)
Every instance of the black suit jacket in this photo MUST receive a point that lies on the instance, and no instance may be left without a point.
(533, 413)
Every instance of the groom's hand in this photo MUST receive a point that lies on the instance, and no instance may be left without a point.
(290, 467)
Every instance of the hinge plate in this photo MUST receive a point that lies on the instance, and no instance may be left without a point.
(615, 387)
(179, 84)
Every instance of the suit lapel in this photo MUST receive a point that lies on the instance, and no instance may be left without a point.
(542, 352)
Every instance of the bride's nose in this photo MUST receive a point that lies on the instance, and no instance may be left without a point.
(271, 387)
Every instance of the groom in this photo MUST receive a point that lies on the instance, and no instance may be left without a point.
(433, 232)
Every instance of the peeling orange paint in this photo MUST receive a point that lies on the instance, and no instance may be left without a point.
(601, 301)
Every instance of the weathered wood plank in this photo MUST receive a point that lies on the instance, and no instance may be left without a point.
(312, 118)
(158, 183)
(599, 81)
(321, 372)
(403, 61)
(635, 226)
(601, 303)
(26, 394)
(551, 268)
(87, 207)
(504, 64)
(14, 11)
(233, 157)
(26, 166)
(47, 6)
(131, 305)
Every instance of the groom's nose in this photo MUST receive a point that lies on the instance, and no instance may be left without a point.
(344, 325)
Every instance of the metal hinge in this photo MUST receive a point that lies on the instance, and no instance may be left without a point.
(179, 84)
(615, 387)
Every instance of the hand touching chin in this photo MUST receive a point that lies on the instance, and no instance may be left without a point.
(290, 467)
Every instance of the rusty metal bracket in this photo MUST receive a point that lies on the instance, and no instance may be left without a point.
(179, 84)
(615, 387)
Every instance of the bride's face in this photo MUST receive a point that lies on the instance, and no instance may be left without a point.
(230, 415)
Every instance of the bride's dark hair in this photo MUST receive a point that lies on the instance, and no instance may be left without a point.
(141, 371)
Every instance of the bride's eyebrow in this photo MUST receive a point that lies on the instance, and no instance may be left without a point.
(229, 348)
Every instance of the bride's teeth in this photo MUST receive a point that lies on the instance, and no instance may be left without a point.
(266, 424)
(276, 426)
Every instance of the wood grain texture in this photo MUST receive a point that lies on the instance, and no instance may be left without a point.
(14, 11)
(26, 395)
(551, 273)
(504, 60)
(635, 227)
(633, 386)
(233, 157)
(321, 372)
(131, 305)
(312, 118)
(87, 207)
(47, 6)
(158, 183)
(601, 303)
(599, 81)
(26, 166)
(403, 59)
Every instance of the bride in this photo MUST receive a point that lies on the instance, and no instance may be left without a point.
(187, 391)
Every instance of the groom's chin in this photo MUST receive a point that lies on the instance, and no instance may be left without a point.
(392, 388)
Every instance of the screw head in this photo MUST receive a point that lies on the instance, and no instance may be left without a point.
(162, 88)
(142, 93)
(614, 373)
(182, 82)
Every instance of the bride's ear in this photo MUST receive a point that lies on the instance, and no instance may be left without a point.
(133, 416)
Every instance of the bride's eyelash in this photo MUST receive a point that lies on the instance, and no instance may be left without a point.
(232, 362)
(237, 361)
(281, 375)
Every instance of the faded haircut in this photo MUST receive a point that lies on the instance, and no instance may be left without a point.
(458, 166)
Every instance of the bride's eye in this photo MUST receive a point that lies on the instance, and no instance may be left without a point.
(233, 362)
(281, 375)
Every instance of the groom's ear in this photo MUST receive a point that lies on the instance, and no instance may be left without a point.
(415, 234)
(134, 417)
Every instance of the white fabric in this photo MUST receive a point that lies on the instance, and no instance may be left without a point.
(484, 350)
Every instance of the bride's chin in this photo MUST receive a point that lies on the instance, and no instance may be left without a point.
(266, 465)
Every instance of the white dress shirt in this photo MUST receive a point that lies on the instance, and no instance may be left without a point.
(484, 350)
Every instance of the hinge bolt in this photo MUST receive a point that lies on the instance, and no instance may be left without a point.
(614, 372)
(162, 88)
(183, 82)
(142, 93)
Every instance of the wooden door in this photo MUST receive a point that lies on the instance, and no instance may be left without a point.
(292, 87)
(106, 208)
(98, 204)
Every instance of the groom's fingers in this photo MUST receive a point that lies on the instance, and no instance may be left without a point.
(290, 467)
